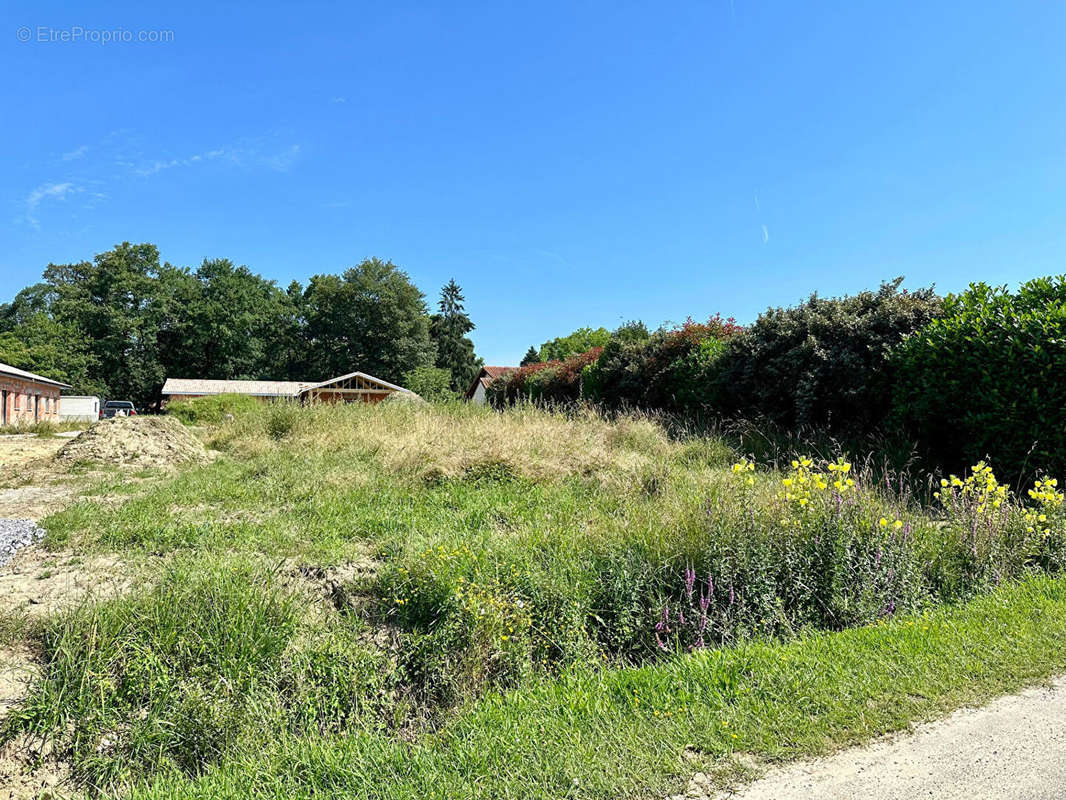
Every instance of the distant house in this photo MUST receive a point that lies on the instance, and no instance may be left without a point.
(476, 392)
(355, 387)
(27, 397)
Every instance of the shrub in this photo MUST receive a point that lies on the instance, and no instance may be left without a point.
(549, 382)
(430, 383)
(986, 379)
(671, 370)
(824, 363)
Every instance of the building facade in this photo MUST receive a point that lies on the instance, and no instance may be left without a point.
(26, 397)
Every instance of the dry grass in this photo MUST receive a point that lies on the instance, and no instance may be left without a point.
(433, 442)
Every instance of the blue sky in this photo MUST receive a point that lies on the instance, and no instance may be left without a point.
(568, 163)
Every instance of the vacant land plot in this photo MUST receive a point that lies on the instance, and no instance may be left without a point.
(446, 601)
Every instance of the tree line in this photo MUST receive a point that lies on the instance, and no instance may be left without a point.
(951, 380)
(120, 324)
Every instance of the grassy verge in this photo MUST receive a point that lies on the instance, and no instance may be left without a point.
(626, 732)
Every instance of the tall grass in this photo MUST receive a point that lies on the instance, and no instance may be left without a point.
(598, 734)
(173, 678)
(502, 551)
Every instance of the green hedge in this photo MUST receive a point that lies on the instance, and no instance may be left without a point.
(824, 363)
(989, 379)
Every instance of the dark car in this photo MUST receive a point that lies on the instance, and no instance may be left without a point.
(117, 408)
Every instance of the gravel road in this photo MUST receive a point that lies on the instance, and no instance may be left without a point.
(1012, 749)
(16, 534)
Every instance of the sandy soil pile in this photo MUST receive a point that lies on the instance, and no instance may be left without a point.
(137, 441)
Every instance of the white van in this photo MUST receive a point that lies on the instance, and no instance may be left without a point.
(79, 408)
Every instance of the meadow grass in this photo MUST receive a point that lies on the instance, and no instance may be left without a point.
(520, 575)
(641, 731)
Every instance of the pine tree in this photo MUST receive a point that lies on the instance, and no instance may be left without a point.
(532, 356)
(449, 329)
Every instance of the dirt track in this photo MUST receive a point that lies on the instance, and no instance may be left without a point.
(1012, 749)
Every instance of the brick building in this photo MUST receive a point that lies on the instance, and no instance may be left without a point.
(26, 397)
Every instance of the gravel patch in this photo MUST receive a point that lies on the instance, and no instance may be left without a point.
(16, 534)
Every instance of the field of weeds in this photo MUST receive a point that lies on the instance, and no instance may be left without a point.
(418, 600)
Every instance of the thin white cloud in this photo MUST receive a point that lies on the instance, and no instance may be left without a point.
(76, 153)
(765, 234)
(119, 155)
(243, 156)
(160, 165)
(47, 191)
(338, 100)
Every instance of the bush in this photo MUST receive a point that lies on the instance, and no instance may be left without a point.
(430, 383)
(987, 378)
(212, 409)
(671, 370)
(550, 382)
(824, 363)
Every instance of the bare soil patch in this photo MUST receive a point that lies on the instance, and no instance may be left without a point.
(33, 502)
(23, 778)
(28, 481)
(38, 582)
(17, 669)
(18, 451)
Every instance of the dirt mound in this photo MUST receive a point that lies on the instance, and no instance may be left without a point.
(138, 441)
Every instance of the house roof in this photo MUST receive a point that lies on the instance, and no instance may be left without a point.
(362, 375)
(486, 376)
(199, 386)
(177, 387)
(15, 372)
